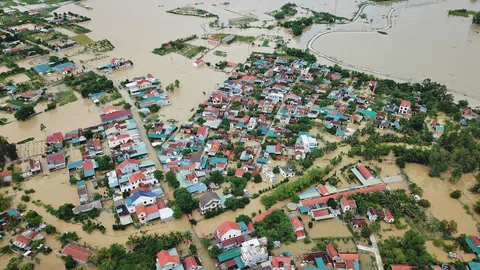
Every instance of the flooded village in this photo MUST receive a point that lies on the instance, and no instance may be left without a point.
(239, 134)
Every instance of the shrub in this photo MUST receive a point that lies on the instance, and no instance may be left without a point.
(424, 203)
(25, 198)
(456, 194)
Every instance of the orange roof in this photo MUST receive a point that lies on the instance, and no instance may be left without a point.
(140, 209)
(77, 252)
(322, 189)
(6, 173)
(22, 239)
(239, 172)
(110, 109)
(227, 226)
(136, 177)
(215, 146)
(296, 222)
(332, 250)
(151, 209)
(300, 233)
(349, 256)
(285, 260)
(320, 212)
(364, 171)
(164, 258)
(347, 193)
(128, 161)
(260, 217)
(190, 262)
(346, 202)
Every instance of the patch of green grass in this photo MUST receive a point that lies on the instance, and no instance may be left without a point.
(16, 102)
(3, 121)
(461, 12)
(238, 38)
(191, 50)
(77, 29)
(82, 39)
(65, 97)
(26, 140)
(220, 53)
(30, 2)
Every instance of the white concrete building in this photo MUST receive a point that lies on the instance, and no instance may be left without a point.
(252, 252)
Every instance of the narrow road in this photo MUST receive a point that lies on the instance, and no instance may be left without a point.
(375, 250)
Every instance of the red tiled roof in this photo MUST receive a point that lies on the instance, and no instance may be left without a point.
(164, 258)
(296, 222)
(151, 209)
(97, 143)
(475, 240)
(190, 262)
(239, 172)
(56, 157)
(320, 212)
(349, 256)
(116, 114)
(57, 136)
(109, 108)
(77, 252)
(22, 239)
(87, 165)
(332, 250)
(388, 215)
(136, 177)
(128, 161)
(260, 217)
(238, 239)
(346, 202)
(227, 226)
(405, 103)
(140, 209)
(285, 260)
(322, 189)
(300, 233)
(364, 171)
(5, 173)
(347, 193)
(215, 146)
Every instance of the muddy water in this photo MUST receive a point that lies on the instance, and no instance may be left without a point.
(437, 192)
(19, 78)
(420, 34)
(443, 256)
(78, 114)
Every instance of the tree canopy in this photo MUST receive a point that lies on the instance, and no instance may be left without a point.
(276, 227)
(24, 113)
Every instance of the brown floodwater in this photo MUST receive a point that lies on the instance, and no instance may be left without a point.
(79, 114)
(437, 191)
(442, 47)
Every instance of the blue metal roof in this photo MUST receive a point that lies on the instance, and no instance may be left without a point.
(75, 164)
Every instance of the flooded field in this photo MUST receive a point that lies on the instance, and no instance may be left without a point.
(420, 32)
(437, 191)
(19, 78)
(83, 112)
(443, 256)
(327, 228)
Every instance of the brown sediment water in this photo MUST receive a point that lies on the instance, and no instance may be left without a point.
(443, 256)
(437, 191)
(79, 114)
(443, 48)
